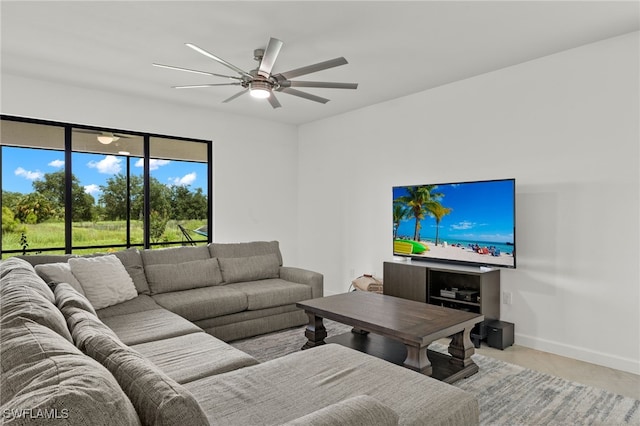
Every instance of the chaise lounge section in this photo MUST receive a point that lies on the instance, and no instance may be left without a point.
(137, 362)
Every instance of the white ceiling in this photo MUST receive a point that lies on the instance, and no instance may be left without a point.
(394, 48)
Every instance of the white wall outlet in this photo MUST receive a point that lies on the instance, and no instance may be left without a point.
(507, 297)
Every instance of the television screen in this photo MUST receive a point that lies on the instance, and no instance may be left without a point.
(464, 222)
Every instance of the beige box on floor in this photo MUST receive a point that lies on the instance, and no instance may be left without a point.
(368, 283)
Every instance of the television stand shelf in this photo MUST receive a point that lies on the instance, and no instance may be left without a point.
(469, 288)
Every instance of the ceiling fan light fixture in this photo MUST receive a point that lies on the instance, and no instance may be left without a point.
(260, 89)
(106, 138)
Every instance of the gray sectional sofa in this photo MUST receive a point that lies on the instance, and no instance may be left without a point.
(231, 291)
(148, 355)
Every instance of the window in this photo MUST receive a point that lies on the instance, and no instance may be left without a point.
(124, 189)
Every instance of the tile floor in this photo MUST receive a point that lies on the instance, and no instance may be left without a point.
(617, 381)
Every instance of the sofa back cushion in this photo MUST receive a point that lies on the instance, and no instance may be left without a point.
(18, 269)
(60, 272)
(255, 248)
(67, 296)
(167, 277)
(104, 279)
(46, 258)
(250, 268)
(23, 294)
(44, 373)
(132, 261)
(158, 399)
(174, 255)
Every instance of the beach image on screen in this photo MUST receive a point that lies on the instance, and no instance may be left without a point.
(470, 222)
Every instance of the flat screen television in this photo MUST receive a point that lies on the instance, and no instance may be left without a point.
(470, 223)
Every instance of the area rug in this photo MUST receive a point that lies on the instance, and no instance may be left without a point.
(508, 394)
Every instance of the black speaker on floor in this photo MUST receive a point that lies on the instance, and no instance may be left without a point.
(479, 333)
(499, 334)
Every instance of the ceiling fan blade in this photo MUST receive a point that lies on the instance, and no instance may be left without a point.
(269, 57)
(273, 101)
(220, 60)
(311, 68)
(323, 84)
(305, 95)
(235, 96)
(195, 86)
(170, 67)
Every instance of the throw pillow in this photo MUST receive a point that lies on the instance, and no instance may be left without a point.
(250, 268)
(104, 279)
(167, 277)
(55, 273)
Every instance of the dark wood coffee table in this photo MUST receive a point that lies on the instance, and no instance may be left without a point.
(400, 330)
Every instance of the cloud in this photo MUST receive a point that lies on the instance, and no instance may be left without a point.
(109, 165)
(153, 164)
(92, 189)
(57, 163)
(27, 174)
(185, 180)
(463, 225)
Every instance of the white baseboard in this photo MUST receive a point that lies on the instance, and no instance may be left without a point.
(600, 358)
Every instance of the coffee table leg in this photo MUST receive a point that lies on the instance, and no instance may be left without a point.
(417, 360)
(315, 331)
(461, 348)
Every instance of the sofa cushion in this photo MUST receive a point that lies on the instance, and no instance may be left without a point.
(84, 324)
(174, 255)
(323, 376)
(303, 276)
(147, 326)
(201, 303)
(66, 296)
(270, 293)
(21, 272)
(250, 268)
(104, 280)
(54, 273)
(356, 411)
(158, 399)
(194, 356)
(132, 261)
(41, 371)
(14, 264)
(167, 277)
(138, 304)
(20, 298)
(254, 248)
(46, 258)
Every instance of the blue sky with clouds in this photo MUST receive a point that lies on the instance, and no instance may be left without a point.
(21, 166)
(480, 211)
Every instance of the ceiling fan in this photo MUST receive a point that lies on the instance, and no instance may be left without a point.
(262, 82)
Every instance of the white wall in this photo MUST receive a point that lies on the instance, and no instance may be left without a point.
(565, 126)
(255, 185)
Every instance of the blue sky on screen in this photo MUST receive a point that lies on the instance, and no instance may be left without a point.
(481, 211)
(21, 166)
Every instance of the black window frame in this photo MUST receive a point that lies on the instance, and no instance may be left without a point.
(68, 245)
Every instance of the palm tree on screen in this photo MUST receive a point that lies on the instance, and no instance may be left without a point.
(438, 211)
(420, 199)
(400, 212)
